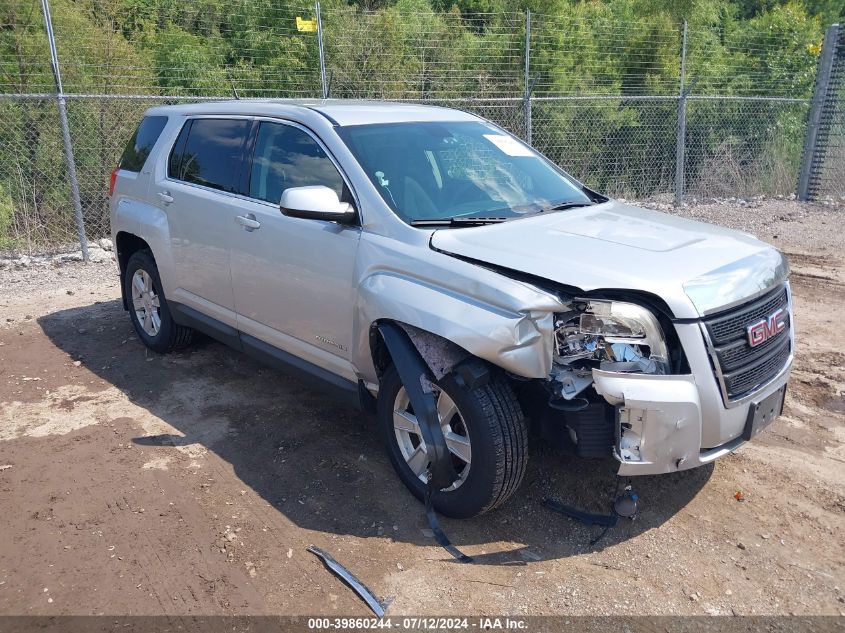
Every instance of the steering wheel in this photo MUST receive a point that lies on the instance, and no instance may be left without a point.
(465, 189)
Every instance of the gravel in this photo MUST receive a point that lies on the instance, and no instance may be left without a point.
(788, 224)
(27, 274)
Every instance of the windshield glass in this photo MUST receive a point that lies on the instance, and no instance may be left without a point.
(441, 170)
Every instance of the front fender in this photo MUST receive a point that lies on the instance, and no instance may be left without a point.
(517, 341)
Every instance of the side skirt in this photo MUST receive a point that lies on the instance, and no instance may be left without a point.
(314, 376)
(184, 315)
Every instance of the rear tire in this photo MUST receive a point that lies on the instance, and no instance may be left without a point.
(487, 418)
(148, 308)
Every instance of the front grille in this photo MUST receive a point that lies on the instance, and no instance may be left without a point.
(731, 325)
(744, 380)
(741, 368)
(738, 353)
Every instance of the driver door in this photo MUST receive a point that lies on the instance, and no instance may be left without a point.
(292, 277)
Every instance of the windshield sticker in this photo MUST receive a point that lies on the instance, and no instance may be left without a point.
(509, 145)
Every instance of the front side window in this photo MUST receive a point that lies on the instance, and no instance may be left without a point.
(141, 143)
(286, 156)
(208, 152)
(438, 171)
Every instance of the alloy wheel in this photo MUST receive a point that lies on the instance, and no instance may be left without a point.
(411, 443)
(145, 302)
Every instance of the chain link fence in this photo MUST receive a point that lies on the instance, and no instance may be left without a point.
(824, 154)
(743, 146)
(635, 108)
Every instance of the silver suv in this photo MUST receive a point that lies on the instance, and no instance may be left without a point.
(450, 279)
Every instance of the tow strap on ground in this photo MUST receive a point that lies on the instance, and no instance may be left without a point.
(350, 579)
(417, 379)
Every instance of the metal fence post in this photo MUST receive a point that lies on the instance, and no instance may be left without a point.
(323, 81)
(682, 124)
(526, 105)
(812, 148)
(69, 159)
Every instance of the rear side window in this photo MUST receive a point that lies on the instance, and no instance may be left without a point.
(208, 152)
(285, 157)
(141, 143)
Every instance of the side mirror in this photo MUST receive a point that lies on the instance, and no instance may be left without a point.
(316, 203)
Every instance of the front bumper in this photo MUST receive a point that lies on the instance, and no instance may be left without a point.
(668, 420)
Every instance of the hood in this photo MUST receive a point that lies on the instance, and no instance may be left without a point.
(696, 268)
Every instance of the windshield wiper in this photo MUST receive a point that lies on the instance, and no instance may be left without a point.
(459, 221)
(481, 220)
(565, 205)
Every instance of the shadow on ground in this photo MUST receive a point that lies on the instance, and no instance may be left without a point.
(320, 463)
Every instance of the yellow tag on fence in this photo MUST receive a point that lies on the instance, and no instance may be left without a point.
(307, 26)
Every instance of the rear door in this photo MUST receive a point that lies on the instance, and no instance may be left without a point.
(198, 192)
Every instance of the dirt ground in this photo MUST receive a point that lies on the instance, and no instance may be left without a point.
(132, 483)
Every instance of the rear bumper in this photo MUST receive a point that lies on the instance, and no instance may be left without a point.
(661, 420)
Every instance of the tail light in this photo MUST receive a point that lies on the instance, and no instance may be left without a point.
(113, 180)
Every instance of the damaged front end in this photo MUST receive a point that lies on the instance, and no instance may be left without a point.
(608, 335)
(614, 390)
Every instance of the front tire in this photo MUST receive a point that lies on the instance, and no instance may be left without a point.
(148, 308)
(485, 431)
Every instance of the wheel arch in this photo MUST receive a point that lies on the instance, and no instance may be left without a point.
(127, 244)
(439, 353)
(137, 225)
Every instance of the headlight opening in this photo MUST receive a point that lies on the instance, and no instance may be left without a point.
(612, 336)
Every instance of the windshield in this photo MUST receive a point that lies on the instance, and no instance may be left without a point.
(442, 171)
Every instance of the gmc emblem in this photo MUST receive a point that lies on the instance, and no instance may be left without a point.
(762, 331)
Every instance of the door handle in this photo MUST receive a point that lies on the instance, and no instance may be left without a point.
(165, 196)
(248, 221)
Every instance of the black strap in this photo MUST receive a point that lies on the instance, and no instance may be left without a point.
(413, 370)
(434, 524)
(606, 520)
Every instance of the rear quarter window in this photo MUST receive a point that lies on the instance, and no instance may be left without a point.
(141, 143)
